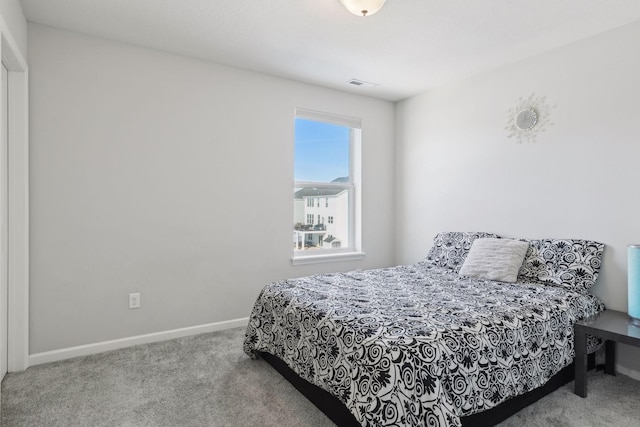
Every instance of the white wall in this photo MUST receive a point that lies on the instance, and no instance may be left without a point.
(457, 170)
(172, 177)
(11, 12)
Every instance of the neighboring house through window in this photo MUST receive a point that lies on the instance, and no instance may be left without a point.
(327, 165)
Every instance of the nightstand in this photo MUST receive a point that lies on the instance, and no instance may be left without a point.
(612, 326)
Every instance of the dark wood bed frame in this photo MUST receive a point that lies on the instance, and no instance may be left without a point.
(339, 414)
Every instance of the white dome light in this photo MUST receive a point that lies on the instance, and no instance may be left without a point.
(363, 7)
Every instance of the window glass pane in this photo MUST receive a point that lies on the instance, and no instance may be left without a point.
(321, 151)
(320, 226)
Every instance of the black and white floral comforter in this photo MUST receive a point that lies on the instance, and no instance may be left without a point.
(418, 344)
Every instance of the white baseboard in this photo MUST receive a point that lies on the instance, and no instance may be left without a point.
(99, 347)
(628, 372)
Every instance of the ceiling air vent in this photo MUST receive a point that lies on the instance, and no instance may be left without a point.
(361, 83)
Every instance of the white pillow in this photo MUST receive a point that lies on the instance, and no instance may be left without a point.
(495, 259)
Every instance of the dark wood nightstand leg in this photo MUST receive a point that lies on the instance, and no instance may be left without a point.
(580, 362)
(610, 357)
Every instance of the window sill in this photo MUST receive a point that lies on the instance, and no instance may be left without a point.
(317, 259)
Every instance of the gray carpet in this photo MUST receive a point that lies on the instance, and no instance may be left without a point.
(206, 380)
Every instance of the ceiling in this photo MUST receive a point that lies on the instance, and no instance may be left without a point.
(408, 47)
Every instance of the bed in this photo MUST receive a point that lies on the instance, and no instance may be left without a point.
(422, 344)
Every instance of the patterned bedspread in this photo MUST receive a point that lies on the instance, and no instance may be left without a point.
(417, 345)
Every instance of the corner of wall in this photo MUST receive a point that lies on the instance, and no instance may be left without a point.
(14, 26)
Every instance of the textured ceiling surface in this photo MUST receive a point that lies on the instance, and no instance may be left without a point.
(406, 48)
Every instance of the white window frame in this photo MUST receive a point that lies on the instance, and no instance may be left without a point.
(354, 250)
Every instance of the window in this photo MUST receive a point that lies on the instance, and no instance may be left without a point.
(326, 165)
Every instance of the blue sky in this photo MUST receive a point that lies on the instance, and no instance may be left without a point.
(321, 151)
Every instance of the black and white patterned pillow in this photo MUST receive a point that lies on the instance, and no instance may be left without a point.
(569, 263)
(450, 248)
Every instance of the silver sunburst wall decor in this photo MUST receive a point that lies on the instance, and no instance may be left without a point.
(528, 118)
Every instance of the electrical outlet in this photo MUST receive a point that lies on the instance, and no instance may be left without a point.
(134, 300)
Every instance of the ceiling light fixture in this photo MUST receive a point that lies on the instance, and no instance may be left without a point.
(363, 7)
